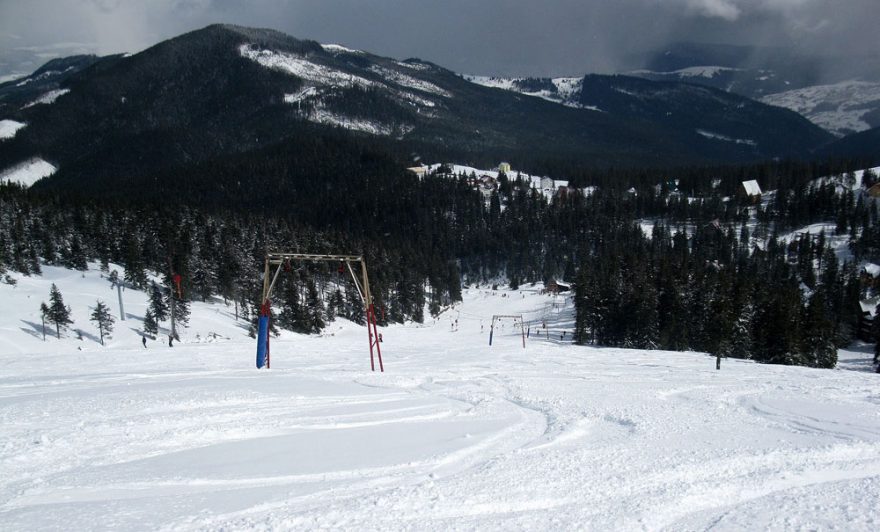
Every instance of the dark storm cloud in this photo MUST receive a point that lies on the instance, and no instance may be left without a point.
(499, 37)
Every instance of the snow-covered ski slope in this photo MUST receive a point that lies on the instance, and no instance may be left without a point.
(454, 435)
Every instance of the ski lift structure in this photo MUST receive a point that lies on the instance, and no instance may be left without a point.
(282, 261)
(515, 317)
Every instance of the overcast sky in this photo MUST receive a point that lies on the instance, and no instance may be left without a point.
(492, 37)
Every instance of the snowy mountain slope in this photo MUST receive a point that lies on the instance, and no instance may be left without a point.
(455, 433)
(559, 90)
(712, 118)
(842, 108)
(226, 90)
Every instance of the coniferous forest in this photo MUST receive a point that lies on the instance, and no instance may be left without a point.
(673, 259)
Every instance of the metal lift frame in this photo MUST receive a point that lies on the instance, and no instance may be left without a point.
(362, 285)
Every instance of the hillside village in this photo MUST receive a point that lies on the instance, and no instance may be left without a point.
(488, 181)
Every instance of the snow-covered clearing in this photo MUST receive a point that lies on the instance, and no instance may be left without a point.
(8, 128)
(708, 72)
(47, 98)
(566, 90)
(454, 435)
(303, 68)
(28, 172)
(718, 136)
(410, 82)
(339, 49)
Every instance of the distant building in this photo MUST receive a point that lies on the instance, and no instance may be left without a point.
(554, 287)
(870, 275)
(866, 323)
(419, 171)
(504, 167)
(752, 190)
(547, 184)
(874, 191)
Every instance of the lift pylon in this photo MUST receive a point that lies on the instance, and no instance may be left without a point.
(515, 317)
(362, 285)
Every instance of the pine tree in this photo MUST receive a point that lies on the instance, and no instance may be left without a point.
(741, 338)
(151, 327)
(157, 304)
(103, 319)
(315, 308)
(59, 314)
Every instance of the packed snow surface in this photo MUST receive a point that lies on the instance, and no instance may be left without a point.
(28, 172)
(455, 434)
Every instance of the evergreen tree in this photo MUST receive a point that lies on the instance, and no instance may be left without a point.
(103, 319)
(59, 314)
(151, 327)
(157, 303)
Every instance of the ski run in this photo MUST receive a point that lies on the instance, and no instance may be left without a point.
(455, 434)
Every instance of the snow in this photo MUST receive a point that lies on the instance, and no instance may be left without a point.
(708, 72)
(454, 435)
(567, 89)
(8, 128)
(47, 98)
(323, 116)
(338, 48)
(535, 181)
(840, 108)
(719, 136)
(303, 68)
(752, 187)
(28, 172)
(872, 269)
(409, 81)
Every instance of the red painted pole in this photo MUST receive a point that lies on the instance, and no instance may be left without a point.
(378, 348)
(370, 336)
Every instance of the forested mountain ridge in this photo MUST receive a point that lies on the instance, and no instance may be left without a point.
(226, 89)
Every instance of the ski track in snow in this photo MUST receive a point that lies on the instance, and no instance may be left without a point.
(455, 434)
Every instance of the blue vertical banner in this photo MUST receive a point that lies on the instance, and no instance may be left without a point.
(262, 341)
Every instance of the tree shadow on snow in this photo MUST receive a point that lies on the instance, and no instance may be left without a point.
(36, 330)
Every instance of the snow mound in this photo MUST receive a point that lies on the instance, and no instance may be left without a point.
(47, 98)
(8, 128)
(28, 172)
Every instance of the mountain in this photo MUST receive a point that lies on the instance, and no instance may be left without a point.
(841, 108)
(226, 89)
(713, 120)
(49, 77)
(839, 94)
(864, 145)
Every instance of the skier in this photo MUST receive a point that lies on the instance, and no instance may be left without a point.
(144, 341)
(170, 341)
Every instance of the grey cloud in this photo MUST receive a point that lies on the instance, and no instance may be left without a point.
(495, 37)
